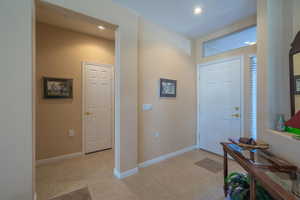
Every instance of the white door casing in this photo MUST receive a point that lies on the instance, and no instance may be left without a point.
(220, 103)
(97, 107)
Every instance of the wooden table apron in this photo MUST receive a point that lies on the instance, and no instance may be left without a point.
(275, 190)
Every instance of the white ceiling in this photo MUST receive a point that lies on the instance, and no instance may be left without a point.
(177, 15)
(66, 19)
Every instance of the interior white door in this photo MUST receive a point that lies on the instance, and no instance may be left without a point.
(219, 103)
(97, 109)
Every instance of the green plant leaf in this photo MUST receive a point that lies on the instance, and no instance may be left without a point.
(239, 187)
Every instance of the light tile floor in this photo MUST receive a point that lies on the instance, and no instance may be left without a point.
(175, 179)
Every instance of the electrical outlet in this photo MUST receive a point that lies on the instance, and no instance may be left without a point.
(71, 132)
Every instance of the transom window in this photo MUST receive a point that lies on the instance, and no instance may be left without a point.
(243, 38)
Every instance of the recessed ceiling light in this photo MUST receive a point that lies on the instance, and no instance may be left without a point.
(101, 27)
(250, 43)
(197, 10)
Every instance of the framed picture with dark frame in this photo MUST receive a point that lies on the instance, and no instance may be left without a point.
(58, 88)
(168, 88)
(297, 84)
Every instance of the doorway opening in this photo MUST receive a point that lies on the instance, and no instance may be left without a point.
(227, 101)
(97, 107)
(220, 103)
(75, 98)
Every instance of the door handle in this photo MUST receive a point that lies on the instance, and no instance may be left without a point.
(88, 113)
(236, 115)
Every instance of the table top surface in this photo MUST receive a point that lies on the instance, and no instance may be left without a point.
(274, 176)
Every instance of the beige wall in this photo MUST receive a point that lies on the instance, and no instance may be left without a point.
(126, 71)
(296, 17)
(244, 51)
(60, 53)
(127, 74)
(296, 29)
(16, 169)
(155, 43)
(276, 23)
(163, 54)
(297, 72)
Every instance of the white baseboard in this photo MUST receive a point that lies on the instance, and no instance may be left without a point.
(167, 156)
(121, 175)
(58, 158)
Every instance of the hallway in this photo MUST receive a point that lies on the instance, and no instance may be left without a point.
(174, 179)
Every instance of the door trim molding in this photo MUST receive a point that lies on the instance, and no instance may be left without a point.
(83, 65)
(241, 58)
(247, 60)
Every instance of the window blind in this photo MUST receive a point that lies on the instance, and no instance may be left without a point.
(253, 96)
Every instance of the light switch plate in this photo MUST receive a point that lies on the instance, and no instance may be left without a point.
(147, 107)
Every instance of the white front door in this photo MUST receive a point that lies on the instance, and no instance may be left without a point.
(219, 99)
(97, 107)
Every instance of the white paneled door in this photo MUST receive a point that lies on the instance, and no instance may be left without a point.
(219, 103)
(97, 107)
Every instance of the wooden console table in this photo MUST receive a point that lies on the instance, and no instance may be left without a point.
(264, 173)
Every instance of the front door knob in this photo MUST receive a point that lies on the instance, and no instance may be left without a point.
(88, 113)
(236, 115)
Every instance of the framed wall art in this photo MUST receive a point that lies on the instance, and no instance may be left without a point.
(58, 88)
(168, 88)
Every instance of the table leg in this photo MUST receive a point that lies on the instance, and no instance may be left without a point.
(225, 172)
(252, 156)
(252, 188)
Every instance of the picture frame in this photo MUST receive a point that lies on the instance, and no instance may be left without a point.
(297, 85)
(58, 88)
(168, 88)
